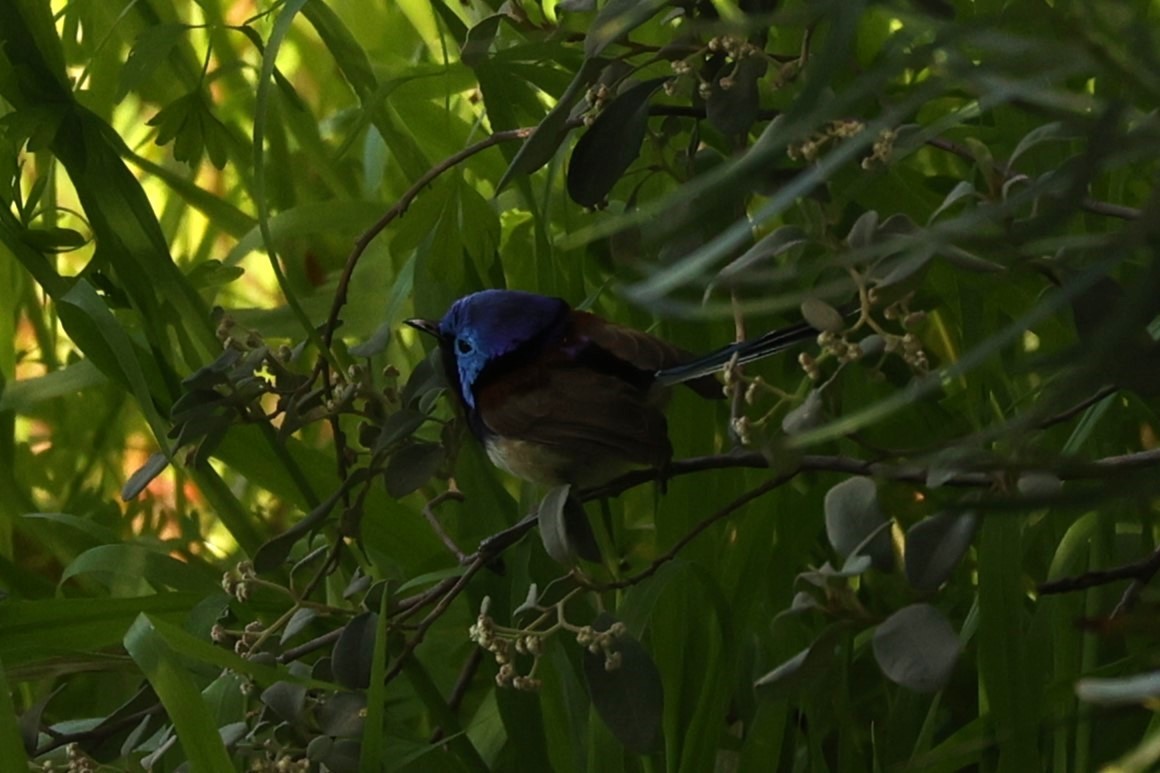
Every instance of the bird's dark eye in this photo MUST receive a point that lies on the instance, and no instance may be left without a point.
(463, 346)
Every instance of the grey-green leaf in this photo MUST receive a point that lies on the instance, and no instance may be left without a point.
(822, 316)
(853, 516)
(630, 698)
(917, 648)
(1134, 689)
(806, 416)
(553, 526)
(934, 547)
(862, 232)
(154, 466)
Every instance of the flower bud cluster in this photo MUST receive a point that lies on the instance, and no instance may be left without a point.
(733, 47)
(883, 149)
(908, 346)
(284, 763)
(811, 148)
(78, 761)
(484, 634)
(810, 366)
(251, 634)
(237, 583)
(840, 347)
(603, 642)
(234, 336)
(596, 97)
(743, 429)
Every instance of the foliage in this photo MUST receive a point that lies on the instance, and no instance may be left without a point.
(242, 527)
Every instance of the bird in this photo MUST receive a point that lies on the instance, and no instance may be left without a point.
(559, 396)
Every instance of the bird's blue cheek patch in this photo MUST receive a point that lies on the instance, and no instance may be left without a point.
(469, 369)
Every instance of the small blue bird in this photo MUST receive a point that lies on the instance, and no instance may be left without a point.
(558, 395)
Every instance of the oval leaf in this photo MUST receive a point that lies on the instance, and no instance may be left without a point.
(806, 416)
(934, 547)
(411, 467)
(822, 316)
(854, 517)
(917, 648)
(353, 655)
(862, 232)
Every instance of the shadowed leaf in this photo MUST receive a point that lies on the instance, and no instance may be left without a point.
(630, 697)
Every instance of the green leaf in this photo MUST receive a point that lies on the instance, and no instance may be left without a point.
(156, 567)
(152, 47)
(478, 43)
(352, 658)
(88, 526)
(37, 630)
(94, 329)
(798, 674)
(616, 19)
(55, 239)
(24, 395)
(917, 648)
(610, 145)
(184, 644)
(11, 744)
(175, 686)
(541, 146)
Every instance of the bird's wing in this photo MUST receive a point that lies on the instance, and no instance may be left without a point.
(588, 417)
(642, 351)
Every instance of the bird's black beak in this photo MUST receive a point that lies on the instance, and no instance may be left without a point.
(424, 325)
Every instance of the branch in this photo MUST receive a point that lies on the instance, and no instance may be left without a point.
(401, 206)
(1089, 204)
(1139, 572)
(978, 476)
(680, 544)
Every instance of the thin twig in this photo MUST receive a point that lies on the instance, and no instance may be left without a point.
(975, 476)
(425, 625)
(679, 545)
(437, 527)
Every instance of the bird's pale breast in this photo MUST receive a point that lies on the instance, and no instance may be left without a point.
(545, 466)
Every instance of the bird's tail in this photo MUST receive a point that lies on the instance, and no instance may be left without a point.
(745, 351)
